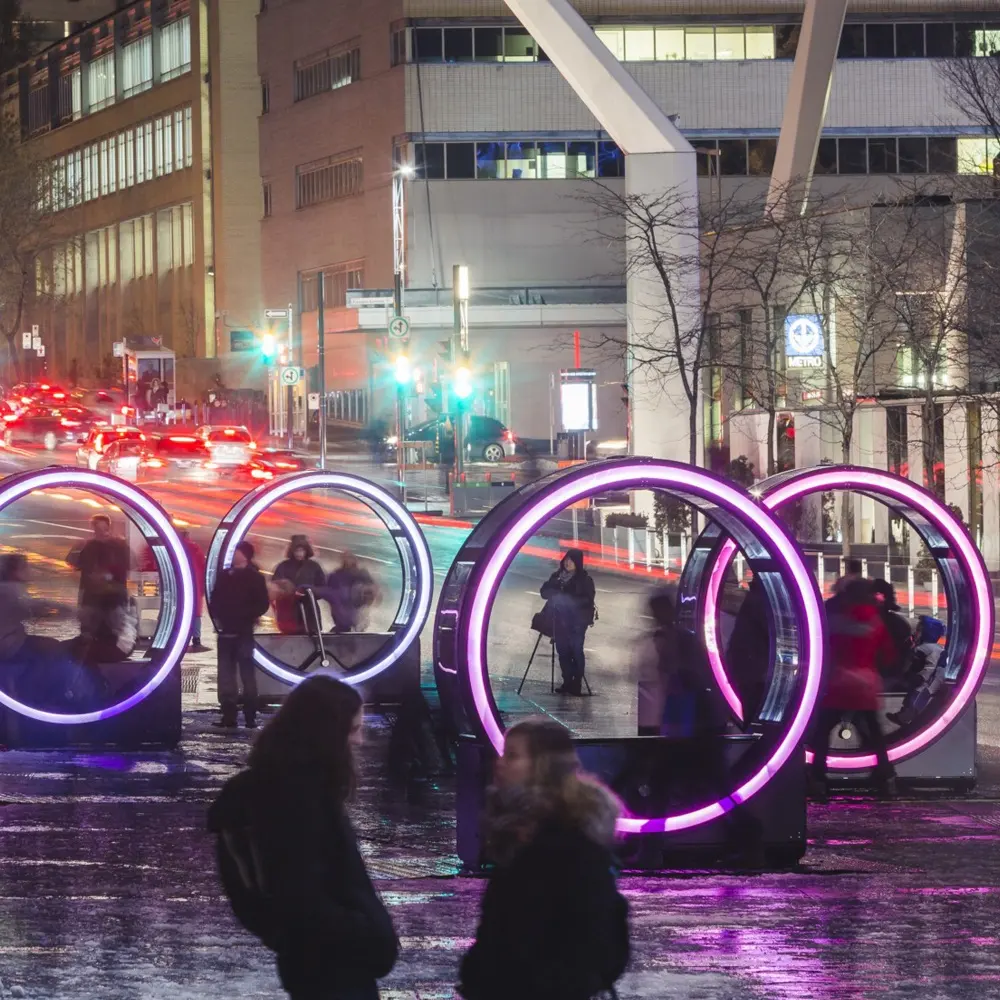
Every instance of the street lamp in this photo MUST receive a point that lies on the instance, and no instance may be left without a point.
(461, 377)
(403, 172)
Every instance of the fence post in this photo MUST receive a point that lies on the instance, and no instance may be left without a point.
(631, 547)
(864, 568)
(821, 571)
(934, 593)
(909, 587)
(666, 552)
(684, 555)
(740, 567)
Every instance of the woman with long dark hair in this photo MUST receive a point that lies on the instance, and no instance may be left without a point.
(553, 925)
(288, 855)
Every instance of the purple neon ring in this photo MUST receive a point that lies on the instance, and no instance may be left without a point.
(18, 486)
(650, 473)
(874, 482)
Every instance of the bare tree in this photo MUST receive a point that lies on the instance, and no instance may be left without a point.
(25, 223)
(973, 85)
(684, 342)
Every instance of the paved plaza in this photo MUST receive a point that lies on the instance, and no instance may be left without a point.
(110, 891)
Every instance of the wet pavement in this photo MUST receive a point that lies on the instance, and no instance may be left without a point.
(108, 891)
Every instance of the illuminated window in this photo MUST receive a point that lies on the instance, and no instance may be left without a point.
(760, 41)
(101, 81)
(699, 43)
(522, 161)
(175, 48)
(669, 44)
(640, 44)
(730, 43)
(614, 39)
(137, 66)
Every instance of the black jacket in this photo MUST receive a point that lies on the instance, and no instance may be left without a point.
(304, 573)
(238, 599)
(571, 597)
(308, 896)
(553, 925)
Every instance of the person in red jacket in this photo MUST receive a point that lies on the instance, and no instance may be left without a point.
(196, 559)
(860, 645)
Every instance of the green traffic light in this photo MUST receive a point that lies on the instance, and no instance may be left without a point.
(402, 371)
(462, 384)
(268, 347)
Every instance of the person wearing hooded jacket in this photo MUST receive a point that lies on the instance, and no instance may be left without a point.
(553, 925)
(569, 594)
(298, 570)
(287, 854)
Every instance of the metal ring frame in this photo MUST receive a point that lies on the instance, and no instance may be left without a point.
(966, 581)
(472, 584)
(176, 583)
(418, 574)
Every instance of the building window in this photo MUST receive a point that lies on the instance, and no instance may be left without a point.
(39, 115)
(610, 160)
(188, 147)
(70, 95)
(101, 81)
(168, 143)
(913, 155)
(853, 156)
(882, 155)
(265, 95)
(460, 160)
(266, 191)
(397, 47)
(977, 155)
(137, 66)
(175, 48)
(733, 157)
(429, 160)
(338, 280)
(326, 71)
(337, 177)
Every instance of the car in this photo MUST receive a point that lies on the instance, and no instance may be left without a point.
(278, 462)
(230, 446)
(108, 404)
(49, 426)
(44, 393)
(176, 458)
(101, 436)
(486, 439)
(122, 457)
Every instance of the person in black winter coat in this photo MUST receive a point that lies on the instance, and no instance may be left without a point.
(288, 857)
(297, 571)
(749, 652)
(553, 925)
(238, 599)
(569, 596)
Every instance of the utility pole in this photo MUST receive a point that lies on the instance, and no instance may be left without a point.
(460, 358)
(290, 392)
(399, 175)
(321, 358)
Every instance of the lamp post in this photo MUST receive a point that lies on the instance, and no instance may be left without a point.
(460, 356)
(403, 172)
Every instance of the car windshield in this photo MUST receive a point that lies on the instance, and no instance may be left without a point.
(181, 446)
(230, 435)
(127, 449)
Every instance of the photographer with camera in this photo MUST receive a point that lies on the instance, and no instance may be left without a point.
(569, 608)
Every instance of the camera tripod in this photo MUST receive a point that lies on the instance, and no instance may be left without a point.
(552, 665)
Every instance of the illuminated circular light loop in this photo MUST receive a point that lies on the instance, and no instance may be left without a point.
(418, 573)
(978, 616)
(540, 501)
(176, 583)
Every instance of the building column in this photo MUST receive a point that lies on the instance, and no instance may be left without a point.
(659, 160)
(809, 454)
(990, 547)
(805, 106)
(915, 463)
(880, 461)
(956, 459)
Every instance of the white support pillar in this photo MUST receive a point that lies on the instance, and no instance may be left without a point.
(956, 458)
(915, 461)
(880, 461)
(809, 453)
(805, 106)
(990, 547)
(659, 160)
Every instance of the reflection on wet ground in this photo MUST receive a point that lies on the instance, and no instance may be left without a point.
(109, 891)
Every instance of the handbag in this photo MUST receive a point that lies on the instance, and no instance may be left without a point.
(543, 622)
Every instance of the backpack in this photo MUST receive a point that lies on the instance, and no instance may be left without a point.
(241, 874)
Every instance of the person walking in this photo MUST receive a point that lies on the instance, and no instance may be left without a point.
(899, 629)
(569, 594)
(298, 570)
(287, 854)
(859, 645)
(103, 563)
(196, 560)
(553, 925)
(350, 591)
(238, 599)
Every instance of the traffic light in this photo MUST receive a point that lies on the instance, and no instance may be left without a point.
(462, 384)
(402, 370)
(268, 347)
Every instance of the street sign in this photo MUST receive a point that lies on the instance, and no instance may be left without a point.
(118, 348)
(314, 401)
(26, 340)
(242, 340)
(36, 341)
(276, 314)
(40, 351)
(399, 327)
(290, 376)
